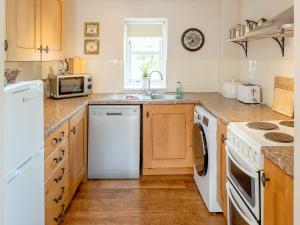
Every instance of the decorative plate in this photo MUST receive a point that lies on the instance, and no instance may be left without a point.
(192, 39)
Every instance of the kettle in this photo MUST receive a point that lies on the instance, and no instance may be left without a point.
(63, 66)
(230, 89)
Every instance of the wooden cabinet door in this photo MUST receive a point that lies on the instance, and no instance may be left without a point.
(221, 169)
(52, 29)
(78, 149)
(23, 30)
(278, 196)
(167, 139)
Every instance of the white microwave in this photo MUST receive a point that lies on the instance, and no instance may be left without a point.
(66, 86)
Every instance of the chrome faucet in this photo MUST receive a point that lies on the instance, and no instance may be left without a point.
(150, 91)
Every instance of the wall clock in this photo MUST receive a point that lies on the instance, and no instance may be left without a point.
(192, 39)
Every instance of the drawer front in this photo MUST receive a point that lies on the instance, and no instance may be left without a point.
(55, 211)
(56, 158)
(59, 192)
(56, 139)
(59, 177)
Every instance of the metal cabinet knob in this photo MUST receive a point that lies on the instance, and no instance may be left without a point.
(73, 130)
(46, 49)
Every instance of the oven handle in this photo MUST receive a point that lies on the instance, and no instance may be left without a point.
(238, 208)
(249, 173)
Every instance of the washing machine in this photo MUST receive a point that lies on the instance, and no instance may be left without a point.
(205, 157)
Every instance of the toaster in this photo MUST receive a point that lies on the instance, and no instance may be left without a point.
(250, 94)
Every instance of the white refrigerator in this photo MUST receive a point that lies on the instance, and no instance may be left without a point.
(24, 154)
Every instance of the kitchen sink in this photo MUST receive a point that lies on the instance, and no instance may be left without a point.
(163, 97)
(144, 97)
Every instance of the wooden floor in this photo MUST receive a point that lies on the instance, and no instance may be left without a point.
(152, 200)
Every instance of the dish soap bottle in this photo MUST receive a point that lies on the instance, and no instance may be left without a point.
(179, 90)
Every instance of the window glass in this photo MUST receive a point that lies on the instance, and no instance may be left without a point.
(145, 51)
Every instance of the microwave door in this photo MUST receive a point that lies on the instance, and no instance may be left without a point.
(71, 85)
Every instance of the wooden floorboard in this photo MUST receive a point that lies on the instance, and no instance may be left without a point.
(152, 200)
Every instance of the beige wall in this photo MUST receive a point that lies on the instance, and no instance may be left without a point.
(297, 115)
(199, 71)
(265, 54)
(34, 70)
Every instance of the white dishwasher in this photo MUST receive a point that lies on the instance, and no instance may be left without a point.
(114, 142)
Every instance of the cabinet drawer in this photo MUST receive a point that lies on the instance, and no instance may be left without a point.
(59, 192)
(60, 175)
(55, 211)
(55, 139)
(55, 159)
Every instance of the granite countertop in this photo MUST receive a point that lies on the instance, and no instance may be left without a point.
(283, 157)
(226, 110)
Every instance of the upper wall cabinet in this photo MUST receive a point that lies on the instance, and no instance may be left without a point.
(52, 29)
(34, 30)
(23, 30)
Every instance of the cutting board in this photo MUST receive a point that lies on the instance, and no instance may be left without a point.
(283, 100)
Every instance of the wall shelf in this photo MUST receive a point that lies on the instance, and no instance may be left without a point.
(277, 34)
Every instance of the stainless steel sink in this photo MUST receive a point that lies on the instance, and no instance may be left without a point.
(124, 97)
(163, 97)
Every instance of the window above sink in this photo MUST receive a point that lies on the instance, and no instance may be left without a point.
(145, 50)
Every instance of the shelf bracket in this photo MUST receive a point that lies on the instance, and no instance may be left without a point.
(244, 45)
(281, 42)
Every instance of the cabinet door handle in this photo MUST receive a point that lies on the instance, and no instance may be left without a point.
(40, 49)
(46, 49)
(73, 130)
(223, 139)
(59, 179)
(60, 158)
(5, 45)
(60, 138)
(264, 179)
(147, 114)
(59, 198)
(61, 215)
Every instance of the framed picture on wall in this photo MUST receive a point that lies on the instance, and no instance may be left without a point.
(91, 47)
(91, 29)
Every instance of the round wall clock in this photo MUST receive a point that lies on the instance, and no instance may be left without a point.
(192, 39)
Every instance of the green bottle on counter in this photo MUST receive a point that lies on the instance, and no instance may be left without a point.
(179, 90)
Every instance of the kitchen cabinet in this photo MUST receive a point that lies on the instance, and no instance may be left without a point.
(23, 25)
(167, 139)
(78, 149)
(56, 175)
(52, 29)
(278, 196)
(34, 30)
(221, 167)
(65, 165)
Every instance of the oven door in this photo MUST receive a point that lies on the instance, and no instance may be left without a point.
(245, 179)
(238, 211)
(70, 85)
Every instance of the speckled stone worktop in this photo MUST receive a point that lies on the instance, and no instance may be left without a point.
(283, 157)
(226, 110)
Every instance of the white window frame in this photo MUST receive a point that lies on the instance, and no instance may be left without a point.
(139, 85)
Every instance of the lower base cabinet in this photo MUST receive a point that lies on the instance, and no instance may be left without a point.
(78, 149)
(221, 168)
(167, 139)
(278, 196)
(65, 165)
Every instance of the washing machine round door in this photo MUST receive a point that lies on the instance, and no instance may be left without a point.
(200, 149)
